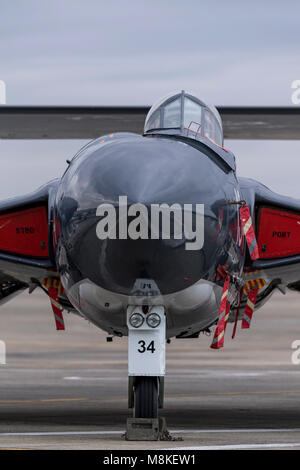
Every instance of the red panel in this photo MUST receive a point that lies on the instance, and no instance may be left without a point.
(278, 233)
(25, 232)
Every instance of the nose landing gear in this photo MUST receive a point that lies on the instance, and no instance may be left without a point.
(146, 397)
(146, 370)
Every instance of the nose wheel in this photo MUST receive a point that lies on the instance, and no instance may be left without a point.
(146, 397)
(146, 372)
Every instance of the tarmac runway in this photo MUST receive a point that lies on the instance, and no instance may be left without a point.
(68, 390)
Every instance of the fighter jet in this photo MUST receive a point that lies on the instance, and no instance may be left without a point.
(149, 233)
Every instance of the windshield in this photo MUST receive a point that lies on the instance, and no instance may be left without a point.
(187, 113)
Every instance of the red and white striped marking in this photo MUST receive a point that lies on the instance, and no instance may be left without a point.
(55, 288)
(218, 340)
(251, 289)
(249, 309)
(249, 233)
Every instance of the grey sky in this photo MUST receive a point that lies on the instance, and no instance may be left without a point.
(133, 52)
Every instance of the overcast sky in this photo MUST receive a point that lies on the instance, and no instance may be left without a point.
(134, 51)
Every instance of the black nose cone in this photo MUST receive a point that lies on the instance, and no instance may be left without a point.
(139, 208)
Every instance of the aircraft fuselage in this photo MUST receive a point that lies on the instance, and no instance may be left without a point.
(145, 221)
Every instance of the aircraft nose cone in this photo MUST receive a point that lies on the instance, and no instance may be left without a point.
(147, 171)
(112, 230)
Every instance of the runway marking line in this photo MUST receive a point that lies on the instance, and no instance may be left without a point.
(13, 448)
(229, 394)
(174, 431)
(204, 374)
(16, 402)
(237, 446)
(168, 397)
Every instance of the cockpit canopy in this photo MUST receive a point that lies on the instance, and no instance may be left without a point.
(186, 113)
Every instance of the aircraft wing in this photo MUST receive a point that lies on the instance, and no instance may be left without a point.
(262, 122)
(89, 122)
(276, 220)
(26, 253)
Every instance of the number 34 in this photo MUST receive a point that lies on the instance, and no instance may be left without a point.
(143, 347)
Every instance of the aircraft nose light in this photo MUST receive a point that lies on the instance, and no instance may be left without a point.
(153, 320)
(136, 320)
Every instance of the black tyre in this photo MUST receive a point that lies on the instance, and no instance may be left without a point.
(146, 397)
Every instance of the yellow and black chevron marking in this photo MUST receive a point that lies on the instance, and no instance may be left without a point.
(53, 282)
(253, 284)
